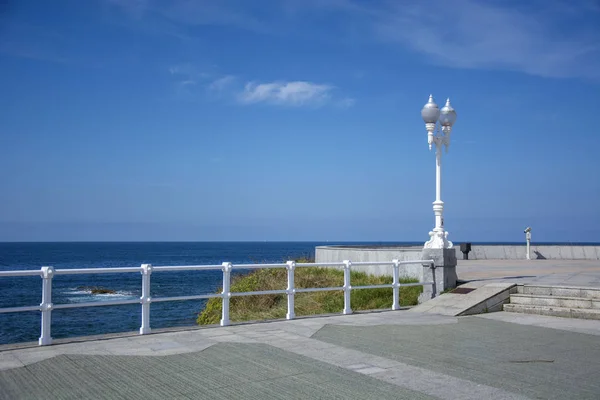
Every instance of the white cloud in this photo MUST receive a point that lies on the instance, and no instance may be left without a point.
(188, 80)
(296, 93)
(222, 83)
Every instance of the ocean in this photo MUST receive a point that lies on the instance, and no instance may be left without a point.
(26, 291)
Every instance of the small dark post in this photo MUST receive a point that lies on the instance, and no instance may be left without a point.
(465, 248)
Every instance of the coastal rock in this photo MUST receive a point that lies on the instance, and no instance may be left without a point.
(96, 290)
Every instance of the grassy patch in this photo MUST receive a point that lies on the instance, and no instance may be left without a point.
(260, 307)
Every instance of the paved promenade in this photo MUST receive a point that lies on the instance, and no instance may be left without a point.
(539, 272)
(386, 355)
(379, 355)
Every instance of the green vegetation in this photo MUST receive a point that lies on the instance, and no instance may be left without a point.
(261, 307)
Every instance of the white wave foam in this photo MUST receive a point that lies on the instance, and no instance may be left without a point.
(116, 294)
(82, 296)
(82, 292)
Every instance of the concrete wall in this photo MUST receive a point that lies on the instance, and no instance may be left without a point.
(478, 252)
(513, 252)
(364, 254)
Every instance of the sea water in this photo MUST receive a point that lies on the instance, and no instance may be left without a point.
(69, 289)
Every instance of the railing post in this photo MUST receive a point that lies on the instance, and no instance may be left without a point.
(46, 307)
(226, 293)
(145, 299)
(396, 285)
(347, 287)
(291, 291)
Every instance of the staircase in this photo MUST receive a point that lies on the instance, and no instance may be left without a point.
(556, 301)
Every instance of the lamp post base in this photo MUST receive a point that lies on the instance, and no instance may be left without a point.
(443, 273)
(438, 240)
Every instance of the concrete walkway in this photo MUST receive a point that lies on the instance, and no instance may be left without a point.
(541, 272)
(385, 355)
(379, 355)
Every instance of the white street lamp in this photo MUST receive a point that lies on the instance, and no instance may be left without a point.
(446, 117)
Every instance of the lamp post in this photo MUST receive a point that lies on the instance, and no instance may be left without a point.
(438, 134)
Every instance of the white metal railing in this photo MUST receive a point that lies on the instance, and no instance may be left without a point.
(48, 273)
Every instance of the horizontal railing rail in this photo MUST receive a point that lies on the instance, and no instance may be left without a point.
(47, 274)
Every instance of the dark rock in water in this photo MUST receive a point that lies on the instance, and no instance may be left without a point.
(102, 291)
(96, 290)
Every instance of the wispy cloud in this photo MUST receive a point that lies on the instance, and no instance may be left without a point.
(189, 71)
(559, 38)
(136, 8)
(551, 39)
(296, 93)
(187, 82)
(346, 102)
(25, 40)
(187, 75)
(221, 84)
(195, 12)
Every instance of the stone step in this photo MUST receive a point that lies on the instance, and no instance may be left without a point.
(582, 313)
(554, 301)
(562, 291)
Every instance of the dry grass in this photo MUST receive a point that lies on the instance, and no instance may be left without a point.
(262, 307)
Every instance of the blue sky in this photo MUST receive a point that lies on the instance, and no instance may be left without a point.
(297, 119)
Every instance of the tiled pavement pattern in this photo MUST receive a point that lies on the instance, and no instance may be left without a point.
(223, 371)
(363, 356)
(532, 361)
